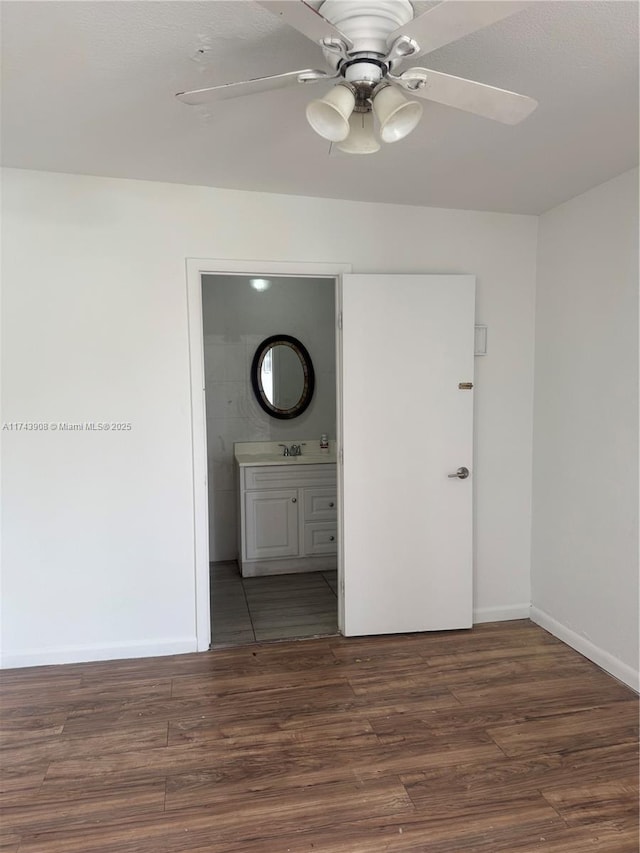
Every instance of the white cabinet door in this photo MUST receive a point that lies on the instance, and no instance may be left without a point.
(407, 426)
(271, 519)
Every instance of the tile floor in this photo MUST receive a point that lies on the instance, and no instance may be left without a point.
(275, 607)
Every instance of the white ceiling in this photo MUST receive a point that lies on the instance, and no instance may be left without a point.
(88, 87)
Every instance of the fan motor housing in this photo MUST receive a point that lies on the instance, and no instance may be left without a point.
(368, 24)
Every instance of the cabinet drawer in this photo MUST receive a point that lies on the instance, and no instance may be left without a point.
(320, 538)
(289, 476)
(320, 504)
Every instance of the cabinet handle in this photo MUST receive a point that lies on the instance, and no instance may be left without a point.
(331, 538)
(294, 500)
(331, 505)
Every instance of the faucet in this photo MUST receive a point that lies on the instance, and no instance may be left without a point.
(293, 450)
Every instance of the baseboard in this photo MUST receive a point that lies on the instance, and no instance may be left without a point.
(622, 671)
(87, 654)
(501, 614)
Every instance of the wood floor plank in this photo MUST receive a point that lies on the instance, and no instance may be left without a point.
(476, 836)
(55, 809)
(329, 694)
(254, 766)
(355, 709)
(520, 669)
(136, 713)
(407, 833)
(612, 801)
(328, 728)
(245, 773)
(496, 635)
(90, 746)
(265, 815)
(81, 697)
(9, 841)
(229, 685)
(591, 727)
(23, 730)
(498, 739)
(26, 682)
(474, 657)
(533, 773)
(22, 777)
(120, 768)
(539, 691)
(451, 718)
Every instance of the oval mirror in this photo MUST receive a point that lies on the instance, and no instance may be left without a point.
(282, 376)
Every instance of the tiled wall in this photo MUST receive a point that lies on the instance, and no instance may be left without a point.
(236, 320)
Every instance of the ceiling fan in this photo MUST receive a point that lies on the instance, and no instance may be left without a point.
(365, 44)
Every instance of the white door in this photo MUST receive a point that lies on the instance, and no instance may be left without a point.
(407, 427)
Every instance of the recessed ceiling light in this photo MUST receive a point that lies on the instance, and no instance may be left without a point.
(260, 284)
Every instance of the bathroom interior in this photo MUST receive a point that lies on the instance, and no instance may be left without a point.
(270, 387)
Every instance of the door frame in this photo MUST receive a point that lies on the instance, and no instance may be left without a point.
(195, 269)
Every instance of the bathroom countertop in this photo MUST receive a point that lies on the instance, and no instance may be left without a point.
(272, 459)
(270, 453)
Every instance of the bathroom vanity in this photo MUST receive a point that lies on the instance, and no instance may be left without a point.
(287, 509)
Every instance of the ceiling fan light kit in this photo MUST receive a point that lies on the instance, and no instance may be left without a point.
(396, 115)
(361, 138)
(329, 116)
(365, 44)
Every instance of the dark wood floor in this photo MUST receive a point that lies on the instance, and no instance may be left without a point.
(490, 740)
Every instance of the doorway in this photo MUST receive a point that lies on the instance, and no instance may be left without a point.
(409, 540)
(236, 314)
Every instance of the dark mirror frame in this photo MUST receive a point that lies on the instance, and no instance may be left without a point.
(307, 368)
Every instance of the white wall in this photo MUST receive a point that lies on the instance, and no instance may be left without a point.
(98, 551)
(585, 487)
(236, 320)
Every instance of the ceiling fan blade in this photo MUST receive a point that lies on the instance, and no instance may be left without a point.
(304, 18)
(453, 19)
(488, 101)
(252, 87)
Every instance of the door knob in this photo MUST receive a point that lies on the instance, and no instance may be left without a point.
(461, 474)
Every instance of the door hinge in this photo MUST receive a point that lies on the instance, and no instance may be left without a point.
(340, 320)
(341, 456)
